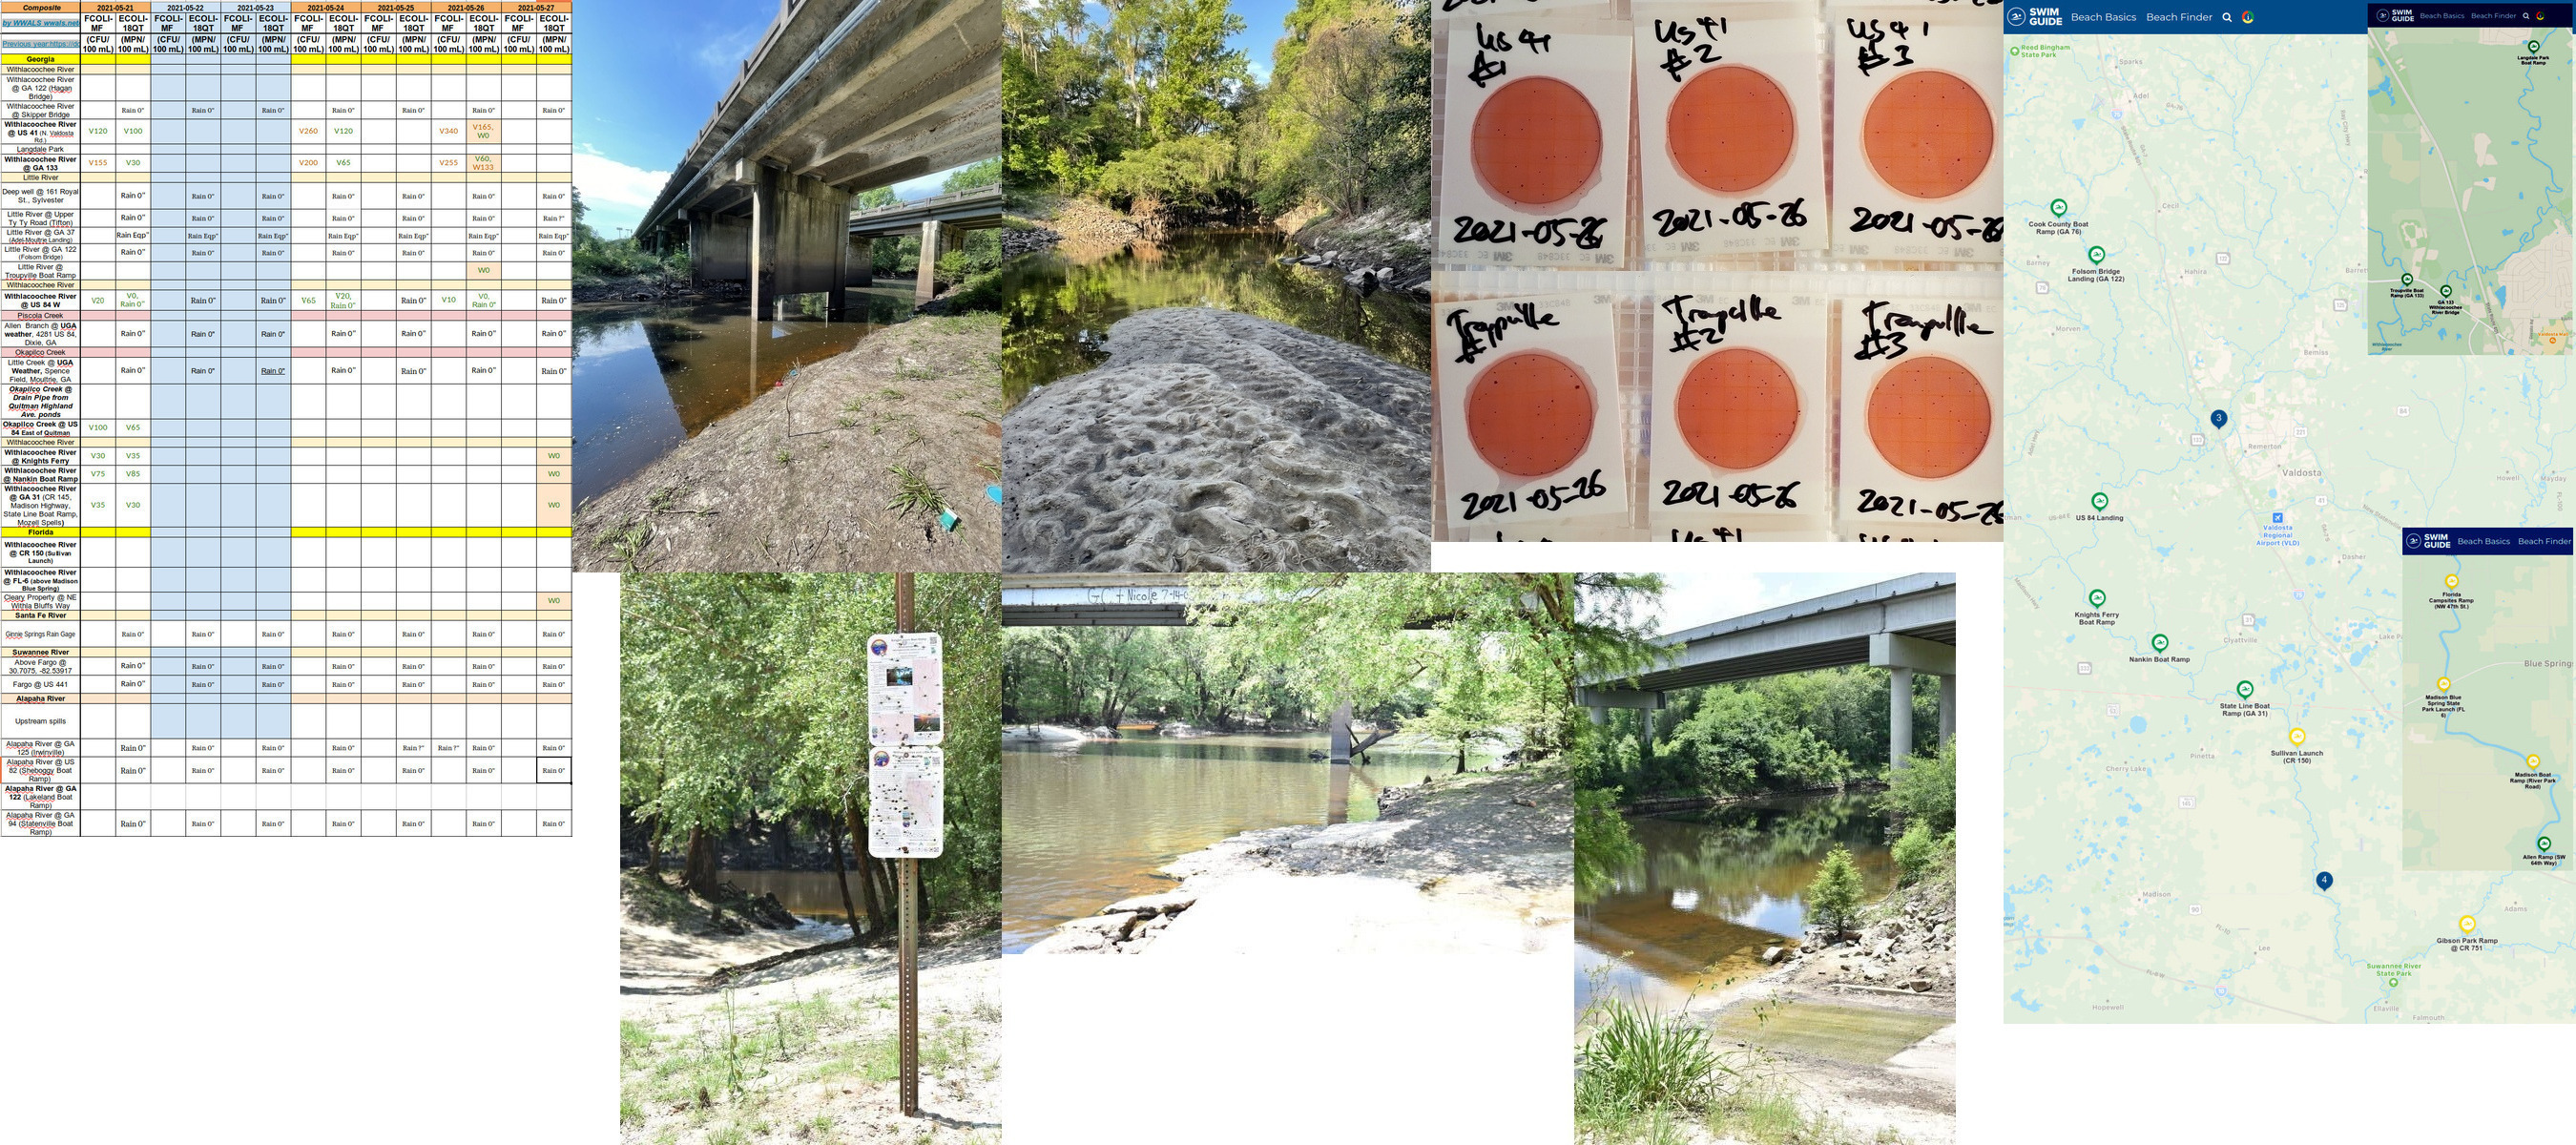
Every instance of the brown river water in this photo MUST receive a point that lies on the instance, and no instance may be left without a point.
(1087, 825)
(1714, 889)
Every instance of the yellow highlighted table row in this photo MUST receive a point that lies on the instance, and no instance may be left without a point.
(326, 531)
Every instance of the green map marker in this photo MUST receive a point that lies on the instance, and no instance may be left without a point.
(2446, 290)
(2405, 280)
(2057, 207)
(2392, 982)
(2533, 45)
(2160, 642)
(2544, 844)
(2245, 689)
(2097, 597)
(2096, 254)
(2101, 501)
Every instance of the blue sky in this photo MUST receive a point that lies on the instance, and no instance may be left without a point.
(647, 74)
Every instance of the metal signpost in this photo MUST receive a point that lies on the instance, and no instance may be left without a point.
(907, 781)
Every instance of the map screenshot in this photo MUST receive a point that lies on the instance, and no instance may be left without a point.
(2469, 181)
(2485, 687)
(2236, 788)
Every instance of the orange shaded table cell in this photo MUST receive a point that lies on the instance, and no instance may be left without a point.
(1530, 414)
(1737, 408)
(1537, 141)
(1928, 134)
(1730, 129)
(1929, 417)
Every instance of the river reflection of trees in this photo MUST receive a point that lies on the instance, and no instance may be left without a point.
(1752, 863)
(1060, 310)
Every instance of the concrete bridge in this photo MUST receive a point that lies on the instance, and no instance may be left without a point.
(1907, 625)
(1042, 600)
(839, 97)
(939, 219)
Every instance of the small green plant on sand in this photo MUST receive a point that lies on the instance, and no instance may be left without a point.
(1834, 897)
(914, 495)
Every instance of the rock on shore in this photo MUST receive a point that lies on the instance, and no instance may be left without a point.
(1212, 440)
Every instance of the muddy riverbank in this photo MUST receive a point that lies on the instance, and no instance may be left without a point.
(808, 475)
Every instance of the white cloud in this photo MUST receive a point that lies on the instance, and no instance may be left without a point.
(722, 56)
(607, 182)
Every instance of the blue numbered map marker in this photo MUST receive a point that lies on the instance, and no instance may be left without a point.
(2218, 418)
(2325, 881)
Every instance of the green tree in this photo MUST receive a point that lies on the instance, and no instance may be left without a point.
(1366, 639)
(971, 176)
(1927, 790)
(1603, 845)
(1834, 897)
(744, 711)
(1915, 850)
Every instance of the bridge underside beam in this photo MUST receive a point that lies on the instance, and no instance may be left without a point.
(855, 94)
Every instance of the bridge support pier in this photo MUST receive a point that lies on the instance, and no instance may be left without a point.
(1949, 707)
(1903, 656)
(925, 284)
(1341, 731)
(1900, 717)
(862, 268)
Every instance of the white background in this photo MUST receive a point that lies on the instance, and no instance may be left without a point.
(336, 989)
(464, 990)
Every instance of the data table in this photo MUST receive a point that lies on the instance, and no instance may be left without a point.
(287, 324)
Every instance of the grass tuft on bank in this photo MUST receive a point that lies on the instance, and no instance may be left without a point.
(1650, 1077)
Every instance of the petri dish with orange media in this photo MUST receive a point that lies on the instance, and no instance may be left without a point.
(1737, 408)
(1929, 416)
(1928, 134)
(1537, 141)
(1730, 129)
(1530, 413)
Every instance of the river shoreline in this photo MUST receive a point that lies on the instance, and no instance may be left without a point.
(1474, 865)
(1664, 804)
(803, 476)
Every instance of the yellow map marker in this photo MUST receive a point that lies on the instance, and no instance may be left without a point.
(2451, 581)
(2442, 685)
(2468, 924)
(2298, 736)
(2532, 762)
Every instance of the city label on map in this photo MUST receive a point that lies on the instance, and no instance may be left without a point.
(907, 706)
(907, 792)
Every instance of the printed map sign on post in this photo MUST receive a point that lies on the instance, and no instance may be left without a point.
(906, 786)
(906, 703)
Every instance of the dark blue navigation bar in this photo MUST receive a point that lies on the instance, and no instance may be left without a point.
(2470, 15)
(2189, 17)
(2435, 541)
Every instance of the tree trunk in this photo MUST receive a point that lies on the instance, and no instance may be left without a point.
(859, 851)
(840, 872)
(653, 848)
(698, 872)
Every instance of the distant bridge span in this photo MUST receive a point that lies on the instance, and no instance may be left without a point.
(1906, 625)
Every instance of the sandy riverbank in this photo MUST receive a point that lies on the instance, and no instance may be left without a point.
(1467, 866)
(803, 1051)
(1811, 1014)
(1212, 440)
(803, 477)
